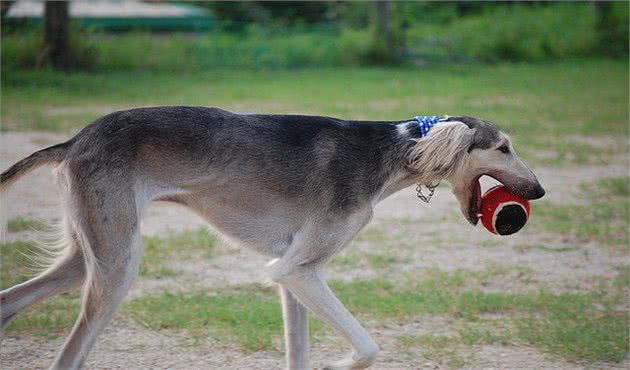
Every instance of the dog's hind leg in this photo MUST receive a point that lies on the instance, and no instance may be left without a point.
(107, 224)
(66, 273)
(295, 331)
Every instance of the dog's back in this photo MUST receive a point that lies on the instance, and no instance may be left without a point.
(287, 154)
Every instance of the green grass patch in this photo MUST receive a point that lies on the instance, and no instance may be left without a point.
(250, 317)
(539, 105)
(622, 280)
(21, 223)
(50, 318)
(16, 264)
(372, 234)
(446, 349)
(604, 218)
(377, 261)
(159, 252)
(586, 327)
(578, 331)
(439, 348)
(55, 316)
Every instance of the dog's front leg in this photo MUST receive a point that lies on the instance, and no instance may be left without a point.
(295, 331)
(307, 284)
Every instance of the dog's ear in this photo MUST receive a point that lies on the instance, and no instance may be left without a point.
(485, 133)
(442, 151)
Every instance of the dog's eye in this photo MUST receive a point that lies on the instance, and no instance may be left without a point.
(504, 149)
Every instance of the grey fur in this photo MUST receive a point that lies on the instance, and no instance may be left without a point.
(486, 133)
(294, 188)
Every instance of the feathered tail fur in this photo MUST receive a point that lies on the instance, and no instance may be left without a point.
(54, 154)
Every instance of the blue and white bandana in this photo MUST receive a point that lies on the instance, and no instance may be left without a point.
(425, 123)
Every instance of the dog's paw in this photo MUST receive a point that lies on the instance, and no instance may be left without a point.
(345, 364)
(349, 364)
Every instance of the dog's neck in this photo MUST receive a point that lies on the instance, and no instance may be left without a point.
(398, 181)
(403, 176)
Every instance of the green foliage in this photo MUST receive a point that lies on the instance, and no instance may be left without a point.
(492, 32)
(612, 27)
(514, 32)
(25, 49)
(524, 33)
(356, 45)
(278, 12)
(257, 47)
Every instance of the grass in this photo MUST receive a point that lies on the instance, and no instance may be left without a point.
(378, 261)
(440, 348)
(159, 252)
(256, 48)
(585, 327)
(542, 106)
(604, 218)
(450, 349)
(50, 318)
(55, 316)
(250, 318)
(21, 224)
(16, 265)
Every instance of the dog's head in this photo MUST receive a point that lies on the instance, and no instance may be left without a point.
(463, 149)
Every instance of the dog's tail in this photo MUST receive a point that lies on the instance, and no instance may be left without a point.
(52, 154)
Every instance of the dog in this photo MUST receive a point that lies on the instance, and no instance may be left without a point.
(294, 188)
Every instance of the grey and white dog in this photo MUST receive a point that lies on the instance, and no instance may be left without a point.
(293, 188)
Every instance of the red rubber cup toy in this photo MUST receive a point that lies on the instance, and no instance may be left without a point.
(502, 212)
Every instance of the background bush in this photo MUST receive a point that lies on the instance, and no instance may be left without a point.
(342, 36)
(525, 33)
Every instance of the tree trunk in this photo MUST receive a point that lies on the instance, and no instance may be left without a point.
(4, 7)
(56, 35)
(384, 26)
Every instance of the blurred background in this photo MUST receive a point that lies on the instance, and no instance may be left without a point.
(197, 36)
(553, 75)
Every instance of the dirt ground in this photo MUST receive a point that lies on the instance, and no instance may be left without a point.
(449, 243)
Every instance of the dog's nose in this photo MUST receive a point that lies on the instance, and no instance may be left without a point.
(539, 192)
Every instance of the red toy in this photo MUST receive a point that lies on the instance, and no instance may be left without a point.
(502, 212)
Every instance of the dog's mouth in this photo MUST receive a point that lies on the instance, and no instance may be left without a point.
(471, 208)
(470, 200)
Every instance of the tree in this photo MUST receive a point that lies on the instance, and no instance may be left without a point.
(612, 27)
(4, 7)
(387, 33)
(56, 48)
(384, 26)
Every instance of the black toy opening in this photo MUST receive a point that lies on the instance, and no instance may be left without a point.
(510, 219)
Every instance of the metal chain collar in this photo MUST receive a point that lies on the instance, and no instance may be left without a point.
(431, 187)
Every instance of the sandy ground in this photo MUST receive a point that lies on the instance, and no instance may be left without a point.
(422, 236)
